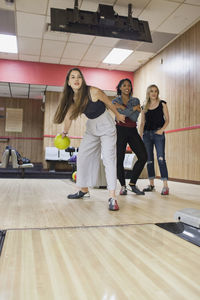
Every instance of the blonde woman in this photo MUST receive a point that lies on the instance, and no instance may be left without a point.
(154, 120)
(100, 135)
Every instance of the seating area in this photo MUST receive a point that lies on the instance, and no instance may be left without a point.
(15, 165)
(53, 156)
(61, 165)
(5, 159)
(10, 168)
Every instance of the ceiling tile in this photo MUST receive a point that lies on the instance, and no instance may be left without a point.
(29, 25)
(19, 90)
(37, 91)
(70, 61)
(35, 7)
(87, 50)
(96, 53)
(56, 36)
(7, 22)
(19, 85)
(29, 57)
(89, 5)
(50, 60)
(63, 4)
(127, 44)
(7, 6)
(92, 5)
(4, 89)
(52, 48)
(160, 39)
(127, 67)
(35, 95)
(105, 41)
(5, 94)
(181, 19)
(106, 66)
(3, 84)
(8, 55)
(29, 45)
(115, 67)
(75, 50)
(137, 57)
(81, 38)
(87, 63)
(21, 96)
(37, 87)
(193, 2)
(121, 7)
(180, 1)
(157, 11)
(51, 88)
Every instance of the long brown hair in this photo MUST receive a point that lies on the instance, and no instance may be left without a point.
(147, 101)
(67, 99)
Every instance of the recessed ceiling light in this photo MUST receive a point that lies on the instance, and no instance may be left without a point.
(117, 56)
(8, 43)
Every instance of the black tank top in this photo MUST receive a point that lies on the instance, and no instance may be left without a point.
(94, 109)
(154, 118)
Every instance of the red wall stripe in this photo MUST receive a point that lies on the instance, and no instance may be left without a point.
(54, 74)
(80, 137)
(20, 138)
(184, 129)
(71, 137)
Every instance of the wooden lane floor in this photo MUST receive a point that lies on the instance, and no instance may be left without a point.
(43, 203)
(116, 263)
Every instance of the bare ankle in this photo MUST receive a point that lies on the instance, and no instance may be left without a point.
(84, 190)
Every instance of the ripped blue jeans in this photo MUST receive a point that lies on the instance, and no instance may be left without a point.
(152, 139)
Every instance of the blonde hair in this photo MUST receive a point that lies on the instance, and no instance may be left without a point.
(147, 101)
(67, 99)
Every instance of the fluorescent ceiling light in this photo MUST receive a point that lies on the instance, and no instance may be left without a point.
(117, 56)
(8, 43)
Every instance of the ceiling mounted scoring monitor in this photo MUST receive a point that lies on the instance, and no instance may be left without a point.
(105, 22)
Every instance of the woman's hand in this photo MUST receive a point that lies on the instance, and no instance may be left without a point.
(120, 106)
(120, 118)
(64, 134)
(159, 131)
(137, 107)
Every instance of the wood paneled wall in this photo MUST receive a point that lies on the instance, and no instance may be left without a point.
(176, 72)
(32, 128)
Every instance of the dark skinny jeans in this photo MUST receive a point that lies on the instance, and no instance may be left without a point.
(129, 135)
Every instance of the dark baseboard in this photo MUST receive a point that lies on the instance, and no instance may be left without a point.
(182, 180)
(36, 172)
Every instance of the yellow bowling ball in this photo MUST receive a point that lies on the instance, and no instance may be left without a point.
(61, 143)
